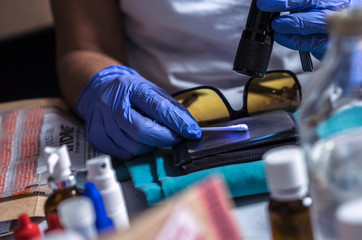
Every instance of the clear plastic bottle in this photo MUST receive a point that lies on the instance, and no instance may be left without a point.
(331, 123)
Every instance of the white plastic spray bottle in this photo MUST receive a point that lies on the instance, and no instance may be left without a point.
(102, 174)
(61, 179)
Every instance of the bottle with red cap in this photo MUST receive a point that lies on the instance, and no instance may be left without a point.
(53, 222)
(26, 229)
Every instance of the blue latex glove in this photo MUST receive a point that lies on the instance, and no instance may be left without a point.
(126, 115)
(306, 30)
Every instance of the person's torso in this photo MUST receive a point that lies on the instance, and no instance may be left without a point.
(180, 44)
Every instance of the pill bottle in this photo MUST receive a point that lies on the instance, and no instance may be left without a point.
(287, 181)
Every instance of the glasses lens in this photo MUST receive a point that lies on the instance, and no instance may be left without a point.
(205, 105)
(276, 91)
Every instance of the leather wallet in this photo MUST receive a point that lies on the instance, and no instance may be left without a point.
(265, 131)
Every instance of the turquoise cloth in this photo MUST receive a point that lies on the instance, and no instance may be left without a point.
(155, 175)
(121, 170)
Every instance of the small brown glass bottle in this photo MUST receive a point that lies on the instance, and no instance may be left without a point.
(289, 207)
(63, 190)
(61, 180)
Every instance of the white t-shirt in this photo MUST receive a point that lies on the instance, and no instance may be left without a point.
(180, 44)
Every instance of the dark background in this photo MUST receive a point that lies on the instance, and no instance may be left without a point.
(27, 66)
(27, 53)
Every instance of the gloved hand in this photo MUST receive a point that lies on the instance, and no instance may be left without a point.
(126, 115)
(306, 30)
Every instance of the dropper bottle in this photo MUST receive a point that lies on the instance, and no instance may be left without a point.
(61, 179)
(289, 207)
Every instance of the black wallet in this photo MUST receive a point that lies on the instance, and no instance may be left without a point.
(265, 131)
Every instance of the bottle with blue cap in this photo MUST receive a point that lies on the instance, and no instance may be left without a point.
(102, 174)
(289, 207)
(61, 180)
(104, 224)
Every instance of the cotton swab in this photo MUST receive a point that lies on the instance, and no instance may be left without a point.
(233, 128)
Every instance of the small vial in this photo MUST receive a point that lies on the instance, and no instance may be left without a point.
(289, 207)
(77, 214)
(61, 180)
(349, 220)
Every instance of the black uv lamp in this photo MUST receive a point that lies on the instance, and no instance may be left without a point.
(256, 43)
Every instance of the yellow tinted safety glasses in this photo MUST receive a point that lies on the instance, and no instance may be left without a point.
(278, 90)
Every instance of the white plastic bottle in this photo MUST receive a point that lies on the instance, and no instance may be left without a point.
(77, 214)
(349, 220)
(102, 174)
(62, 235)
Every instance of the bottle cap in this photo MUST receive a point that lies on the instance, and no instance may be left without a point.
(286, 172)
(58, 162)
(76, 212)
(53, 222)
(101, 172)
(26, 229)
(103, 222)
(349, 220)
(99, 167)
(346, 22)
